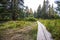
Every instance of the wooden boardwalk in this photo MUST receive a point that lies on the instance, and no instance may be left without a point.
(43, 34)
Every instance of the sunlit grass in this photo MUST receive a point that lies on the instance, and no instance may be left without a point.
(20, 25)
(15, 24)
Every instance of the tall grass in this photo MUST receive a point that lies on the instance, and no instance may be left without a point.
(31, 34)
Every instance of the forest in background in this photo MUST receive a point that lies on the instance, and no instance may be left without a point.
(11, 10)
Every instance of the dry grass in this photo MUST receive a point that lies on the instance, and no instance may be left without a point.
(18, 30)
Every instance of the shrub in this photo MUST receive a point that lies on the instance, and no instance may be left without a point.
(30, 19)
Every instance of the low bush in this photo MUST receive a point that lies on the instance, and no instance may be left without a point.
(31, 19)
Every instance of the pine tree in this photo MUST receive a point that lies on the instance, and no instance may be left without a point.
(58, 6)
(30, 12)
(39, 12)
(49, 12)
(35, 14)
(27, 12)
(3, 5)
(3, 9)
(45, 9)
(53, 14)
(16, 10)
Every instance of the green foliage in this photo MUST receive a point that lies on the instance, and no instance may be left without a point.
(35, 14)
(51, 12)
(5, 16)
(14, 24)
(31, 19)
(57, 17)
(12, 12)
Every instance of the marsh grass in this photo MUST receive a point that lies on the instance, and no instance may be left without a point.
(17, 25)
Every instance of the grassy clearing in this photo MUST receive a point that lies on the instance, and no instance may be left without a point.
(26, 28)
(53, 26)
(15, 24)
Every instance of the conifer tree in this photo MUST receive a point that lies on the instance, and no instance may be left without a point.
(39, 12)
(35, 14)
(58, 6)
(44, 10)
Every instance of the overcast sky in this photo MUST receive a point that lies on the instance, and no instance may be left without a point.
(35, 3)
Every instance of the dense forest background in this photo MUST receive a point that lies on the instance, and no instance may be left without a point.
(15, 10)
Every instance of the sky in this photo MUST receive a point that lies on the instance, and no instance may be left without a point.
(35, 3)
